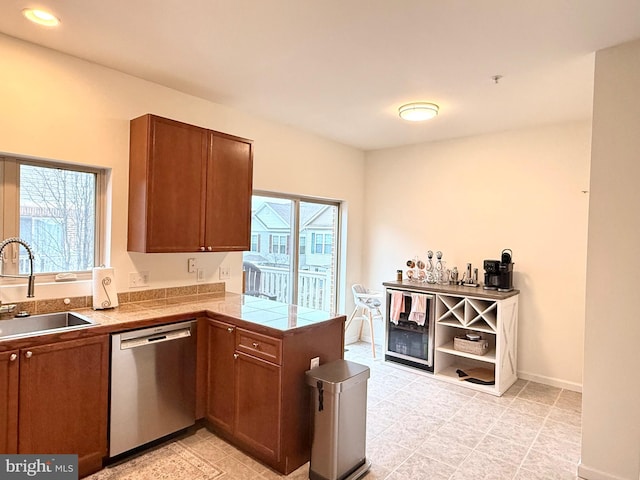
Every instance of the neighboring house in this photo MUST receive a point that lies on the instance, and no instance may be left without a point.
(271, 236)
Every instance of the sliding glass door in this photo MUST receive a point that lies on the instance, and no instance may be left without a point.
(294, 250)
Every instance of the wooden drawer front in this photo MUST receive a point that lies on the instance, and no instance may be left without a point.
(258, 345)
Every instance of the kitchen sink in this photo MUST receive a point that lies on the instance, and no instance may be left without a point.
(42, 324)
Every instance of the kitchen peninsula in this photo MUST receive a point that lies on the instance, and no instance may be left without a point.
(250, 384)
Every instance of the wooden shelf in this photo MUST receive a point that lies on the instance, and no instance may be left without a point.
(489, 357)
(474, 327)
(449, 375)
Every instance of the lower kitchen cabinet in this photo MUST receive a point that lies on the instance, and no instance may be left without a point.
(9, 402)
(57, 403)
(258, 406)
(256, 393)
(221, 345)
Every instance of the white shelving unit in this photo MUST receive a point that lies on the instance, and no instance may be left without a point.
(459, 310)
(496, 320)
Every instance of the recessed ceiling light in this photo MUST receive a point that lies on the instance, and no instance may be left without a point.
(41, 17)
(418, 111)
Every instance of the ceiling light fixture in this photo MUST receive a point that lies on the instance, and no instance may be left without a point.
(41, 17)
(418, 111)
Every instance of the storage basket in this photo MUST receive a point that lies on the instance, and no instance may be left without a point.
(477, 347)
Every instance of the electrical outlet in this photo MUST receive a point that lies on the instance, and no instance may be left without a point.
(191, 265)
(200, 274)
(315, 362)
(224, 272)
(138, 279)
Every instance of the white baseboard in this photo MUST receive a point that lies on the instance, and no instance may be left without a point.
(554, 382)
(589, 473)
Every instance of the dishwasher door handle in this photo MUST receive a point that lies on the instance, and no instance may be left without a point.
(155, 338)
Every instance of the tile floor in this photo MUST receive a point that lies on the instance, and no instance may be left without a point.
(421, 428)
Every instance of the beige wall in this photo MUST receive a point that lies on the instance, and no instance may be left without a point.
(58, 107)
(611, 396)
(473, 197)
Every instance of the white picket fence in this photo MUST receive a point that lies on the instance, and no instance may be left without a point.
(314, 288)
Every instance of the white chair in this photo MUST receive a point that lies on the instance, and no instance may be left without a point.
(369, 303)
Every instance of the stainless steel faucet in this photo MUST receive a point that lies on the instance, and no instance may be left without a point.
(31, 278)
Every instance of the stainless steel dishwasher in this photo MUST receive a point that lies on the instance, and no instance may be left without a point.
(152, 384)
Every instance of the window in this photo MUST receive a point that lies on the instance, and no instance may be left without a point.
(55, 209)
(322, 243)
(328, 243)
(302, 266)
(255, 243)
(279, 244)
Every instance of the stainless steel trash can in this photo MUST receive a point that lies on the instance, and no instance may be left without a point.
(339, 420)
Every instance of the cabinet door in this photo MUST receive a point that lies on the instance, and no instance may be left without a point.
(166, 185)
(9, 402)
(220, 364)
(229, 188)
(258, 405)
(63, 400)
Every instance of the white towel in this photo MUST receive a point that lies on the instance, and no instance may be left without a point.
(104, 288)
(418, 308)
(397, 306)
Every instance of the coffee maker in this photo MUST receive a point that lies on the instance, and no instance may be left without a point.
(498, 274)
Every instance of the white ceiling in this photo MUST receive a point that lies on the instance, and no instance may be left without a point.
(341, 68)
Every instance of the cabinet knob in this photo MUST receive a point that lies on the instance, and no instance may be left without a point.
(202, 249)
(235, 355)
(230, 329)
(13, 357)
(29, 354)
(210, 248)
(255, 344)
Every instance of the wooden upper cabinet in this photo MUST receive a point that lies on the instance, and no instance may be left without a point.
(189, 188)
(229, 187)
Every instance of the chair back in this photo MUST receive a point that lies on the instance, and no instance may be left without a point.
(358, 290)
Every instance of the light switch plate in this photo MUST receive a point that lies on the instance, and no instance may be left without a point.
(200, 274)
(191, 265)
(315, 362)
(138, 279)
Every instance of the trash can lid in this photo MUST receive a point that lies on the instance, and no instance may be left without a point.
(338, 375)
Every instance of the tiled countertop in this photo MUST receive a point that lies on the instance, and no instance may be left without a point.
(267, 313)
(273, 317)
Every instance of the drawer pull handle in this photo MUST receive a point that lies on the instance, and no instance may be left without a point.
(235, 355)
(29, 354)
(230, 329)
(13, 357)
(255, 344)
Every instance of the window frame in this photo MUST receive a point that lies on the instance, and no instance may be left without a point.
(10, 208)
